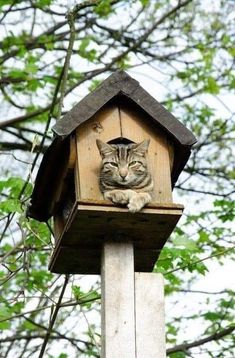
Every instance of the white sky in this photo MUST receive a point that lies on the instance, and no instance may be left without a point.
(219, 277)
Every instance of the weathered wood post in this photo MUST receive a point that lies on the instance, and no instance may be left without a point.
(132, 306)
(118, 300)
(95, 237)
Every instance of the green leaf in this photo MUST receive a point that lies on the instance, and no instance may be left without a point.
(231, 51)
(87, 298)
(178, 355)
(31, 68)
(84, 44)
(211, 86)
(226, 210)
(42, 3)
(14, 185)
(103, 8)
(201, 268)
(33, 85)
(182, 75)
(185, 242)
(10, 206)
(38, 279)
(203, 236)
(28, 326)
(84, 52)
(94, 84)
(17, 74)
(5, 325)
(5, 313)
(5, 2)
(77, 292)
(165, 261)
(144, 2)
(212, 316)
(123, 63)
(90, 297)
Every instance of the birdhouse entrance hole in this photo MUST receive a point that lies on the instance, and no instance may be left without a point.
(120, 140)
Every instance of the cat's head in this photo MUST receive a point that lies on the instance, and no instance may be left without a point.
(123, 165)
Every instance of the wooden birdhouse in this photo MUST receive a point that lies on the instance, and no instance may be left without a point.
(67, 184)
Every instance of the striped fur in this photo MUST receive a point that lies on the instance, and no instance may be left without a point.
(124, 175)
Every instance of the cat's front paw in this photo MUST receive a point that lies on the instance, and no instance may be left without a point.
(135, 205)
(138, 201)
(117, 197)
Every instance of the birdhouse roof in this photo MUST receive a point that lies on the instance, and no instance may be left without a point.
(120, 83)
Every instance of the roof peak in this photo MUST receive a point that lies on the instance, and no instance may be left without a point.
(120, 82)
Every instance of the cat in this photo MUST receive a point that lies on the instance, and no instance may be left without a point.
(124, 175)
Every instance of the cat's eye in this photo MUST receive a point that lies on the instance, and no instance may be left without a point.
(134, 162)
(113, 164)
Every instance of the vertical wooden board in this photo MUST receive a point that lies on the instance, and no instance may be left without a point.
(135, 127)
(105, 125)
(117, 301)
(72, 153)
(58, 227)
(150, 322)
(77, 180)
(171, 153)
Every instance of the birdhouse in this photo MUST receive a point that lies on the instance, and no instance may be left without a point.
(67, 183)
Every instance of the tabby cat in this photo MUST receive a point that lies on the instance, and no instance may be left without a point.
(124, 175)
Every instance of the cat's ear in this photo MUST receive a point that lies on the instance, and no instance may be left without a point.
(142, 147)
(104, 148)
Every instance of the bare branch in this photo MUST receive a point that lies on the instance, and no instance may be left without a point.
(213, 337)
(53, 318)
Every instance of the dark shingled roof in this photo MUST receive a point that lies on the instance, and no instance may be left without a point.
(119, 84)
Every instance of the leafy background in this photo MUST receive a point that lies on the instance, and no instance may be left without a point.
(54, 53)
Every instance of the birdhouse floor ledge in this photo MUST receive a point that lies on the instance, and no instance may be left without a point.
(90, 224)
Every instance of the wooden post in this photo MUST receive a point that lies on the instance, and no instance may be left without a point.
(132, 306)
(150, 317)
(117, 301)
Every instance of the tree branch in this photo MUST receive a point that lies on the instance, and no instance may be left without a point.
(57, 307)
(26, 147)
(213, 337)
(201, 260)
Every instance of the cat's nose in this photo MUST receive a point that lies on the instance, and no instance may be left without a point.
(123, 173)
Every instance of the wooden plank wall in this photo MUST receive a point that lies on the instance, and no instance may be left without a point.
(105, 125)
(112, 122)
(135, 127)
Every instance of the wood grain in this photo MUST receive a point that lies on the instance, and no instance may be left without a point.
(136, 128)
(153, 205)
(72, 153)
(117, 301)
(150, 322)
(90, 226)
(171, 150)
(105, 125)
(113, 122)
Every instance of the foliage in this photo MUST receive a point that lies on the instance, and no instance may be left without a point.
(185, 50)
